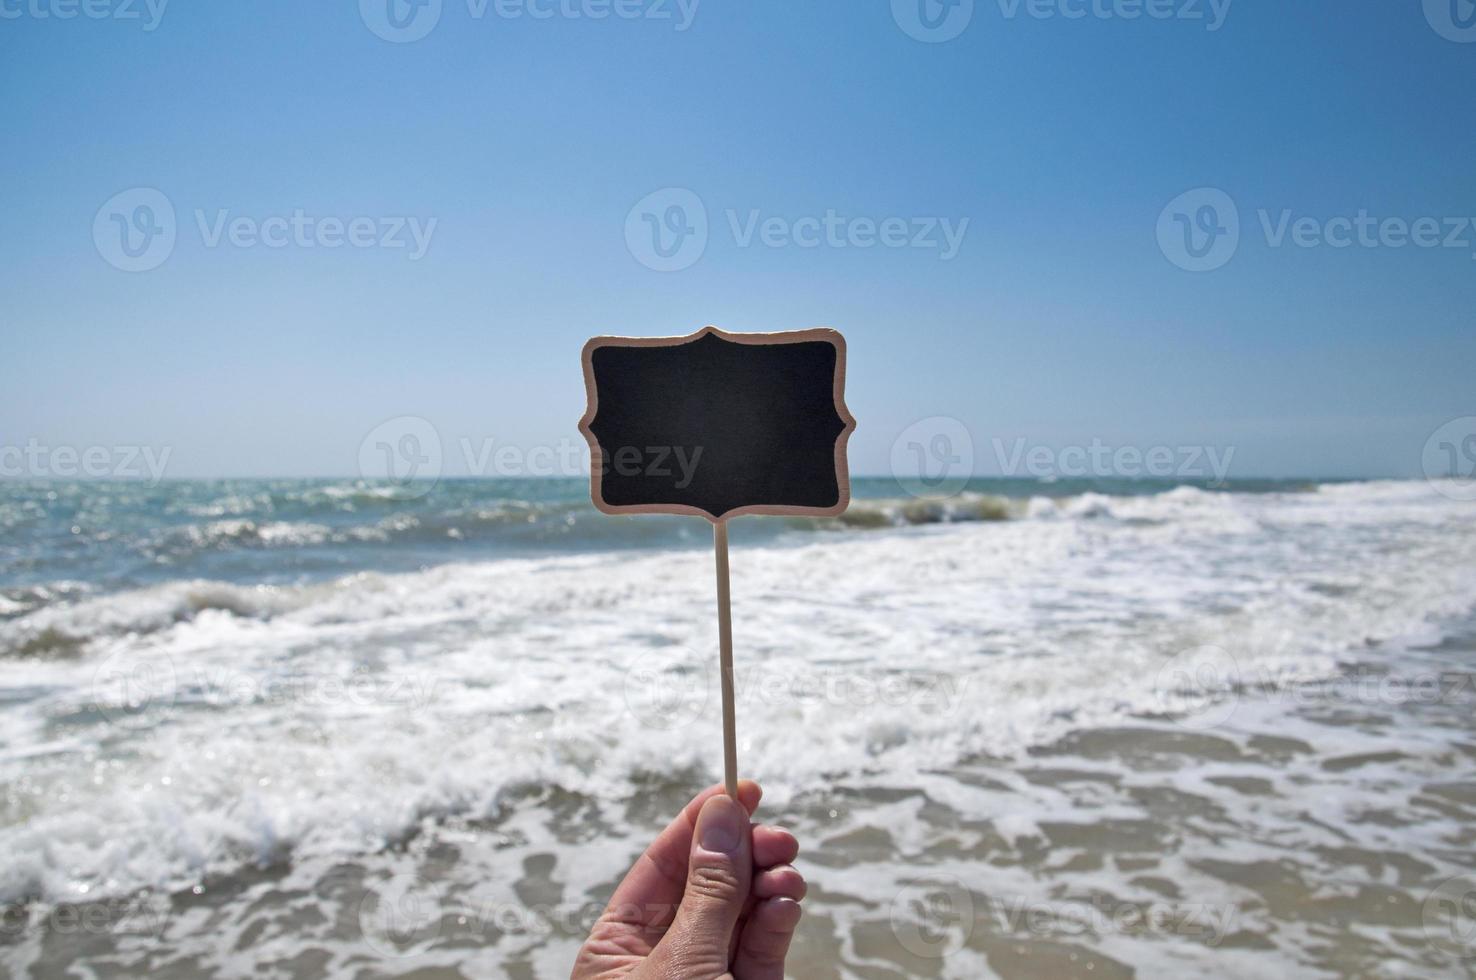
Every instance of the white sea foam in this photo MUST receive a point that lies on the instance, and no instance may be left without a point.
(196, 728)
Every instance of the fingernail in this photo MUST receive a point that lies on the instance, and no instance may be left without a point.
(720, 825)
(787, 909)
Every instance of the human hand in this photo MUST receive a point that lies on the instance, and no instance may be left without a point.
(711, 899)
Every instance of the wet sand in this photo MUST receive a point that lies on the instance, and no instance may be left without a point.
(1324, 829)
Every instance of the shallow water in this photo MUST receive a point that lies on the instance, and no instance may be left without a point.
(1177, 732)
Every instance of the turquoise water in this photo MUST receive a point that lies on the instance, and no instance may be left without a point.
(62, 539)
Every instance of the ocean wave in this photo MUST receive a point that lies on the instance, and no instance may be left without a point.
(229, 533)
(74, 628)
(59, 620)
(429, 525)
(14, 513)
(871, 514)
(1180, 503)
(868, 655)
(16, 602)
(298, 499)
(129, 536)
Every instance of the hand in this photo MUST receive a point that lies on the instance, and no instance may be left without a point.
(711, 899)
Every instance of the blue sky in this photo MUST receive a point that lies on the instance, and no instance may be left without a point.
(1059, 318)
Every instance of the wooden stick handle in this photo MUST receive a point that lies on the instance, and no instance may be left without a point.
(725, 655)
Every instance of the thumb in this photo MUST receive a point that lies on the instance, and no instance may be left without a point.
(718, 876)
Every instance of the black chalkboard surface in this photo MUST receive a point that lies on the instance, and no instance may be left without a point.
(718, 424)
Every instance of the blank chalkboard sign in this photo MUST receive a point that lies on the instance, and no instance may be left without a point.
(718, 424)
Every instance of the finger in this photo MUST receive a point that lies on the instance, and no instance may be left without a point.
(765, 940)
(780, 882)
(773, 846)
(652, 888)
(719, 873)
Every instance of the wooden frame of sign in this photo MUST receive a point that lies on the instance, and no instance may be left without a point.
(776, 441)
(597, 454)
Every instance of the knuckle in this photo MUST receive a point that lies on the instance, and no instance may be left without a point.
(693, 960)
(763, 954)
(716, 882)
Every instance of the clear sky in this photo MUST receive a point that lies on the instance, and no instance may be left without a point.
(1061, 131)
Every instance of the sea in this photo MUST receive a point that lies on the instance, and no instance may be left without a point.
(340, 728)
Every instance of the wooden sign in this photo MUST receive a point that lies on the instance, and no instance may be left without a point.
(719, 425)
